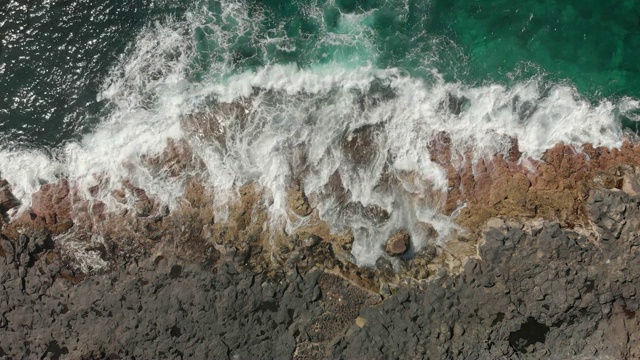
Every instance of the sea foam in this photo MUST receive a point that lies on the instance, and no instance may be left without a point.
(296, 123)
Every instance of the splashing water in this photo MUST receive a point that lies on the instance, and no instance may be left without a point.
(320, 101)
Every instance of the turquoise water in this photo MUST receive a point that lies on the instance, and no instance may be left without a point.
(54, 57)
(269, 91)
(594, 46)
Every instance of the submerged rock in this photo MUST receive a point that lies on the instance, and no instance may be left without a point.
(427, 230)
(359, 146)
(456, 104)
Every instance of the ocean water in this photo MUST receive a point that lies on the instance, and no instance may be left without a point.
(328, 92)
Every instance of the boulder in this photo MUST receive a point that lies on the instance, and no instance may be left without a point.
(631, 184)
(398, 243)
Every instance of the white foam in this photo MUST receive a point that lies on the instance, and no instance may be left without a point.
(26, 170)
(82, 254)
(307, 111)
(316, 107)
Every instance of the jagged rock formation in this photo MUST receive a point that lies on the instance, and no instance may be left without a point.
(554, 187)
(548, 267)
(538, 290)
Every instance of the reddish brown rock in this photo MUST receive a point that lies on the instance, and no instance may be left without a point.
(52, 203)
(178, 158)
(398, 243)
(144, 205)
(554, 187)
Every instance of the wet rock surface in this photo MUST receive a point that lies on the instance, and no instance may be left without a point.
(554, 187)
(398, 243)
(547, 267)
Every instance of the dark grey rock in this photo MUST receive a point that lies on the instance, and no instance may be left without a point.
(550, 292)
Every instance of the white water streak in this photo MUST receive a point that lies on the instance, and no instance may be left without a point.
(308, 111)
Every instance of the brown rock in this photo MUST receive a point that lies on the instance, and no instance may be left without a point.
(144, 205)
(175, 160)
(297, 199)
(554, 187)
(120, 195)
(427, 230)
(359, 146)
(52, 203)
(7, 200)
(398, 243)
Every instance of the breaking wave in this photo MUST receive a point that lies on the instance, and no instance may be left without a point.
(258, 105)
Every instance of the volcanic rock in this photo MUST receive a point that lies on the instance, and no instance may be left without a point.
(7, 200)
(398, 243)
(545, 263)
(52, 203)
(297, 199)
(552, 293)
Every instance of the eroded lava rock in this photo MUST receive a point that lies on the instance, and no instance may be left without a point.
(553, 271)
(398, 243)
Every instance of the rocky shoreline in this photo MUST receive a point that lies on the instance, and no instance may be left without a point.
(543, 266)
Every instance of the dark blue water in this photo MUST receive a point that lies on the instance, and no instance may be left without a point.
(53, 57)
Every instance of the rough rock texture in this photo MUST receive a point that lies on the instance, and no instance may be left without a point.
(554, 274)
(554, 187)
(159, 307)
(398, 243)
(53, 205)
(298, 201)
(537, 290)
(7, 200)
